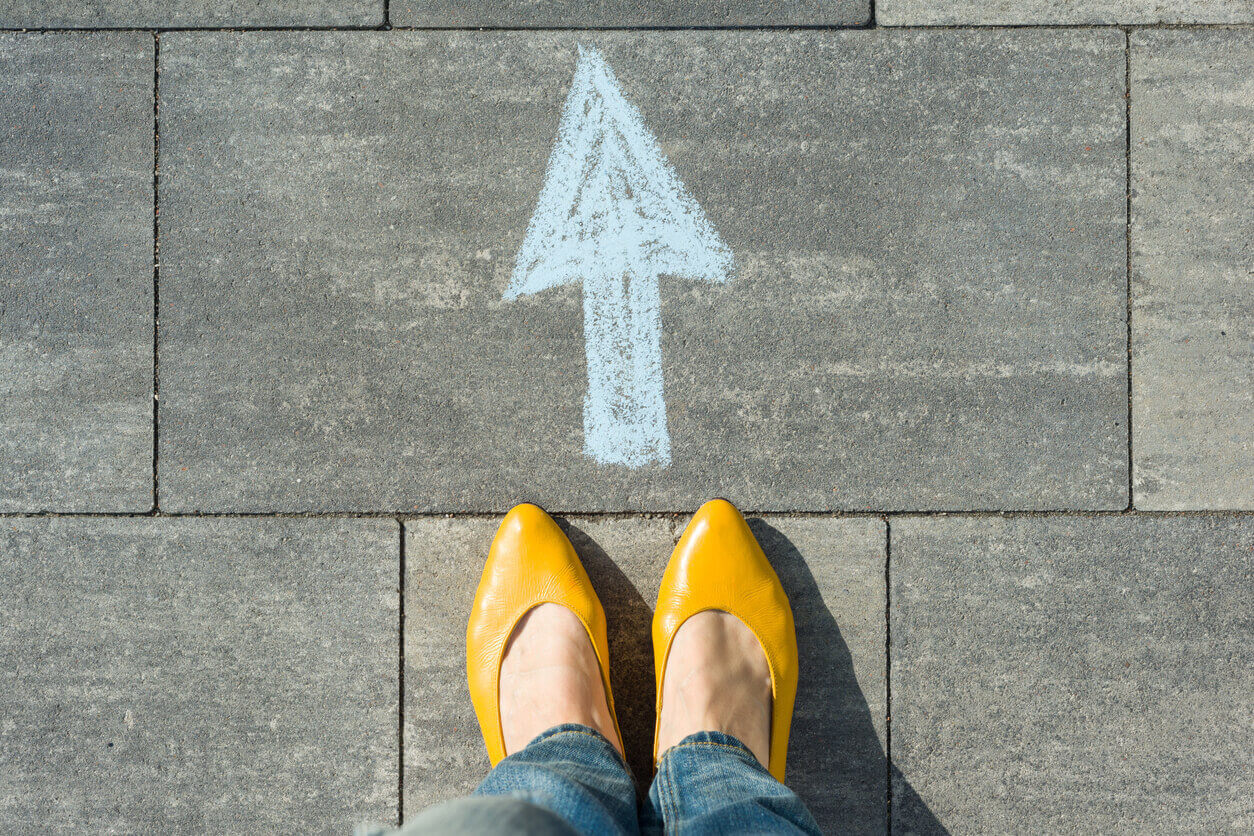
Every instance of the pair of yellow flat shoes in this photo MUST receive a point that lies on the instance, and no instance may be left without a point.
(718, 565)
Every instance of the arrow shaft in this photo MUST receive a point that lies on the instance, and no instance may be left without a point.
(614, 215)
(624, 416)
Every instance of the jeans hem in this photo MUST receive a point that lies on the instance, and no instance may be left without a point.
(712, 738)
(586, 731)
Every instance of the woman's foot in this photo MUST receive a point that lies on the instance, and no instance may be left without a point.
(716, 679)
(550, 676)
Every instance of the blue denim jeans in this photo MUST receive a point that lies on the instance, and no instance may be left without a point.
(571, 780)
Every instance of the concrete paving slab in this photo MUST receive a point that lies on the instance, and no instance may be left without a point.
(1059, 12)
(101, 14)
(927, 310)
(1193, 269)
(76, 272)
(833, 570)
(198, 675)
(611, 13)
(1074, 674)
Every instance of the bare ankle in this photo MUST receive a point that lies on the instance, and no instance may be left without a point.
(549, 677)
(716, 679)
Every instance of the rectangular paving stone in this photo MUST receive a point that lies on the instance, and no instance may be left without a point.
(928, 306)
(76, 272)
(543, 13)
(833, 570)
(1193, 269)
(198, 675)
(1059, 12)
(96, 14)
(1073, 674)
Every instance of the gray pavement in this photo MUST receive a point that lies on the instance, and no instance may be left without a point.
(1193, 269)
(628, 13)
(928, 308)
(999, 265)
(76, 236)
(1060, 12)
(197, 676)
(87, 14)
(1057, 675)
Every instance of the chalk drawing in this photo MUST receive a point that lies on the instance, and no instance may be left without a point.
(613, 215)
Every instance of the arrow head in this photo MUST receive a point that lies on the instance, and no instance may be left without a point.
(611, 204)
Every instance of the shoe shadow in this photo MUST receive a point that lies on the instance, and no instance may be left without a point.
(630, 618)
(836, 761)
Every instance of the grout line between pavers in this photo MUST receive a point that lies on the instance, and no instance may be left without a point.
(156, 261)
(845, 27)
(1127, 170)
(405, 517)
(888, 674)
(400, 684)
(1123, 27)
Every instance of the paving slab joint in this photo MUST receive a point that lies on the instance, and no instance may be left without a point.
(386, 26)
(680, 518)
(156, 259)
(888, 675)
(1127, 171)
(400, 681)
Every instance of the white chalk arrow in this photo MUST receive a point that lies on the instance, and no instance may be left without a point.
(614, 215)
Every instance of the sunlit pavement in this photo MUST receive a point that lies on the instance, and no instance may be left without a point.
(954, 300)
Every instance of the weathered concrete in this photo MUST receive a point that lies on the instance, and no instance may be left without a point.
(1193, 269)
(928, 309)
(197, 675)
(1088, 675)
(833, 570)
(76, 272)
(542, 13)
(84, 14)
(1054, 12)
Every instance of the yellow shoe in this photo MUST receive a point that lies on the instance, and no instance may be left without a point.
(718, 565)
(531, 562)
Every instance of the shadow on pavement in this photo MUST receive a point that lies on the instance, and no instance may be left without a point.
(836, 761)
(630, 618)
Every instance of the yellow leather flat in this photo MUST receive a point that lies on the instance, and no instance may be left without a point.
(718, 565)
(531, 562)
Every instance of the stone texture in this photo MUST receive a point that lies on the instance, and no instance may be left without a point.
(197, 675)
(545, 13)
(1079, 674)
(928, 310)
(76, 272)
(1060, 12)
(85, 14)
(833, 570)
(1193, 269)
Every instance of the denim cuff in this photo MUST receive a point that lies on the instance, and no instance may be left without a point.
(715, 738)
(576, 728)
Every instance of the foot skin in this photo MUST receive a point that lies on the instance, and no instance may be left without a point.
(716, 679)
(550, 676)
